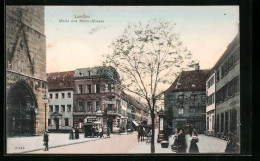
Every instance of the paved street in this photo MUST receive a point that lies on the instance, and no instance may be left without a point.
(128, 144)
(116, 144)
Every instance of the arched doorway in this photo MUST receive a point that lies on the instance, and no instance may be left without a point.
(21, 108)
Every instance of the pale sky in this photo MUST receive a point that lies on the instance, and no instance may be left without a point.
(205, 31)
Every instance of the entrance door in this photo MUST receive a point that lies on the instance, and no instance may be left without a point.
(57, 123)
(20, 110)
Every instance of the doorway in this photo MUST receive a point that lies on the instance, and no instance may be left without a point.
(21, 105)
(57, 123)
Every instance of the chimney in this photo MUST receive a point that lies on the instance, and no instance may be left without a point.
(197, 67)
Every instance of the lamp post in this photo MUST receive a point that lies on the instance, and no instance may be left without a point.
(45, 100)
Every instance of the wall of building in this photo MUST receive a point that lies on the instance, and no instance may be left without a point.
(187, 116)
(67, 114)
(210, 106)
(26, 54)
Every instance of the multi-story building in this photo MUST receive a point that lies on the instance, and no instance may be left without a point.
(25, 70)
(210, 105)
(186, 99)
(228, 90)
(60, 86)
(96, 99)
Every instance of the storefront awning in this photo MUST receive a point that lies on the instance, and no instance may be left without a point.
(136, 124)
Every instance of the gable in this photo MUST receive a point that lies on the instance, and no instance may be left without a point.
(19, 58)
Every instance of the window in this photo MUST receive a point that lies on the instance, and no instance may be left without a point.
(69, 95)
(222, 123)
(109, 107)
(49, 122)
(192, 98)
(203, 99)
(62, 95)
(56, 95)
(88, 105)
(50, 96)
(56, 108)
(109, 87)
(88, 88)
(80, 89)
(63, 108)
(68, 108)
(79, 106)
(180, 98)
(192, 110)
(181, 110)
(218, 75)
(213, 97)
(89, 73)
(97, 88)
(51, 108)
(97, 105)
(66, 122)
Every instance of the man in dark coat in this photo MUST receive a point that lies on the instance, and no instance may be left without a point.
(77, 133)
(232, 146)
(46, 141)
(181, 142)
(108, 131)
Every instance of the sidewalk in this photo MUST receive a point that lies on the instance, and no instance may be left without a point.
(206, 145)
(28, 144)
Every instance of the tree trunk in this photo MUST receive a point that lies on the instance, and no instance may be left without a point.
(152, 140)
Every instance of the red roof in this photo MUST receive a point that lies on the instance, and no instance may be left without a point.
(60, 80)
(190, 81)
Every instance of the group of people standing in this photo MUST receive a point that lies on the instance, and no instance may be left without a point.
(72, 132)
(180, 144)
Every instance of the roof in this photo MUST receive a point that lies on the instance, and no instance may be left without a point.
(60, 80)
(190, 81)
(230, 49)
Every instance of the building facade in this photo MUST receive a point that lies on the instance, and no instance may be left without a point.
(96, 99)
(60, 86)
(25, 70)
(228, 90)
(186, 99)
(210, 105)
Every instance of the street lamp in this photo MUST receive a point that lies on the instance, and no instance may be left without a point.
(45, 100)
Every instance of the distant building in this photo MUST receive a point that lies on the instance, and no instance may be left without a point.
(210, 106)
(186, 99)
(60, 86)
(228, 90)
(96, 99)
(25, 70)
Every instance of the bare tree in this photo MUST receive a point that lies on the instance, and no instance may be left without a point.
(148, 56)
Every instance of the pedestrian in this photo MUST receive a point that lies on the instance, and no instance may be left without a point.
(190, 130)
(181, 142)
(138, 132)
(100, 132)
(195, 132)
(77, 133)
(174, 146)
(232, 146)
(46, 141)
(193, 143)
(71, 137)
(108, 132)
(142, 133)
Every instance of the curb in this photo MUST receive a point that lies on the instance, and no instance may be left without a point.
(56, 146)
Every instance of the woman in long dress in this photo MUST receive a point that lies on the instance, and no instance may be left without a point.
(193, 143)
